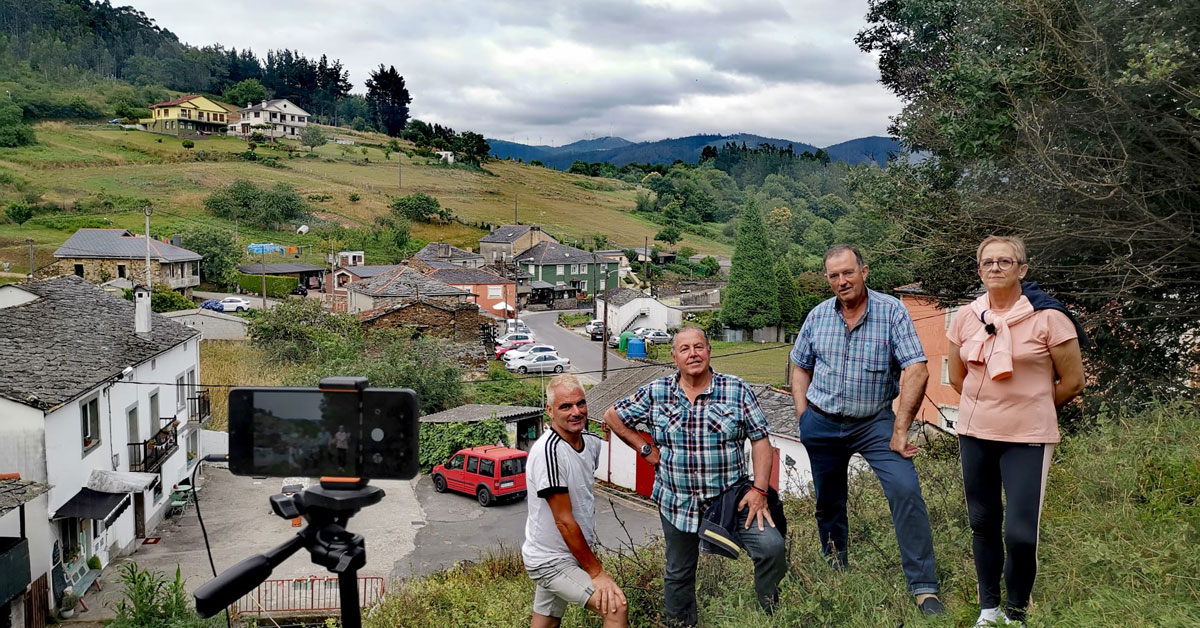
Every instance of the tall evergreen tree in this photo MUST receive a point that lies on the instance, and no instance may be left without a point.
(751, 299)
(388, 100)
(791, 312)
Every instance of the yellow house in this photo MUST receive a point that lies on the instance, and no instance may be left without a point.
(187, 115)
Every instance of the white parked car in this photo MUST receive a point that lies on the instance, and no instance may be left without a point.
(525, 351)
(515, 336)
(593, 326)
(656, 337)
(235, 304)
(544, 363)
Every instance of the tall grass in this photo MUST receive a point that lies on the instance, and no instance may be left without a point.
(225, 363)
(1119, 539)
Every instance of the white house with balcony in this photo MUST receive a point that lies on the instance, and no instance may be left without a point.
(102, 405)
(628, 309)
(273, 118)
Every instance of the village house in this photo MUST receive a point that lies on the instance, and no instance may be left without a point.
(493, 294)
(101, 255)
(279, 117)
(558, 270)
(100, 402)
(791, 472)
(940, 406)
(628, 309)
(523, 423)
(19, 585)
(337, 281)
(187, 116)
(440, 252)
(505, 242)
(401, 284)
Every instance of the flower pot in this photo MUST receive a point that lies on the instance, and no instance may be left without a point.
(67, 613)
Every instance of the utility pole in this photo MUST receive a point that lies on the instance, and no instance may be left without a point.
(148, 210)
(515, 195)
(399, 169)
(262, 270)
(604, 340)
(29, 241)
(646, 263)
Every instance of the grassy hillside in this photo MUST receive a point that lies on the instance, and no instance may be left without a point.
(109, 172)
(1119, 532)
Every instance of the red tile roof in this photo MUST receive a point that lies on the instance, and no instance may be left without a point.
(177, 101)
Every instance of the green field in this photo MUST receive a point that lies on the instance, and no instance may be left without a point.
(113, 171)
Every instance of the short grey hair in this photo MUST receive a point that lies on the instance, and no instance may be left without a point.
(690, 328)
(838, 249)
(560, 381)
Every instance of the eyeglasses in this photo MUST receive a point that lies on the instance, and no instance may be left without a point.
(1004, 263)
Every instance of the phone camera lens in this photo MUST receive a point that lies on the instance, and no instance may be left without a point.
(377, 434)
(377, 458)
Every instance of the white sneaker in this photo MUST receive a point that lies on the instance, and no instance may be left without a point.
(988, 617)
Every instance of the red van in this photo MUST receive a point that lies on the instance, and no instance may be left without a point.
(489, 472)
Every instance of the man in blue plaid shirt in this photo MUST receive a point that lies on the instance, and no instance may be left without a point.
(855, 353)
(700, 420)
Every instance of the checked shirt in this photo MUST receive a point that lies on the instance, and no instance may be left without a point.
(701, 445)
(856, 372)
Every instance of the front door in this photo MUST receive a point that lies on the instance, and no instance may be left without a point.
(139, 514)
(644, 472)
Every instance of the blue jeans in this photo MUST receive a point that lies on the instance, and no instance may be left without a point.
(830, 445)
(765, 548)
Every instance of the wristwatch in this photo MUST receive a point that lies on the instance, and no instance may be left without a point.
(645, 450)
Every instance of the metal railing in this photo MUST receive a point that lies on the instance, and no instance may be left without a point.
(200, 407)
(148, 455)
(312, 593)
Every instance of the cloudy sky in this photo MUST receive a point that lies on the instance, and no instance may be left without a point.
(552, 72)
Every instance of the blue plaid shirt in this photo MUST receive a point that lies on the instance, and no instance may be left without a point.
(701, 445)
(856, 372)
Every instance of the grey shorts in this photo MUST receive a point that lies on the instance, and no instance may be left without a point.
(558, 584)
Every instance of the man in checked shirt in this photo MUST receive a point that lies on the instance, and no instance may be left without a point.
(854, 355)
(700, 421)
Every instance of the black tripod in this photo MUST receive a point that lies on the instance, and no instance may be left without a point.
(327, 508)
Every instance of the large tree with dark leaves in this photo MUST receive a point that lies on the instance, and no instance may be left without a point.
(388, 100)
(1075, 125)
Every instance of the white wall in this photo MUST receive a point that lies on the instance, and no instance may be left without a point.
(37, 530)
(630, 315)
(212, 326)
(618, 463)
(22, 442)
(795, 481)
(214, 442)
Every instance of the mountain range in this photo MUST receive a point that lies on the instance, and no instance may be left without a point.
(619, 151)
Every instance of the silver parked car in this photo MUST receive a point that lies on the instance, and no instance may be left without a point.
(544, 363)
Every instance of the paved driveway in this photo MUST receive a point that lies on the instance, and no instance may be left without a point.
(584, 354)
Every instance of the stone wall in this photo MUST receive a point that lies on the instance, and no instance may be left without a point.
(459, 322)
(98, 271)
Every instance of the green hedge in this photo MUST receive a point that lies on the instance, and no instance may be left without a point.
(277, 287)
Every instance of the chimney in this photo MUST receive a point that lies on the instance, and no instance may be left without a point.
(177, 239)
(264, 104)
(443, 249)
(141, 310)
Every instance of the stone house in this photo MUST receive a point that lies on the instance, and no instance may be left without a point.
(399, 285)
(503, 243)
(493, 294)
(440, 252)
(456, 321)
(101, 255)
(336, 282)
(99, 401)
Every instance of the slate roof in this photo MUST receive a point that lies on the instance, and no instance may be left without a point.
(621, 384)
(430, 253)
(544, 253)
(621, 296)
(14, 492)
(365, 272)
(280, 268)
(779, 407)
(404, 282)
(460, 275)
(478, 412)
(506, 234)
(120, 244)
(72, 339)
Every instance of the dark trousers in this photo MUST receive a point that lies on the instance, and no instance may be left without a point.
(766, 549)
(1019, 469)
(830, 444)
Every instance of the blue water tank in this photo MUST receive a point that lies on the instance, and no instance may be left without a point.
(637, 348)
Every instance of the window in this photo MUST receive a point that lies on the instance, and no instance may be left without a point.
(472, 464)
(180, 393)
(512, 466)
(945, 371)
(68, 531)
(154, 416)
(79, 270)
(255, 114)
(131, 424)
(455, 463)
(121, 271)
(603, 284)
(89, 421)
(558, 269)
(156, 490)
(531, 273)
(583, 285)
(487, 468)
(495, 292)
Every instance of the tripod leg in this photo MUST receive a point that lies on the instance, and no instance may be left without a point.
(348, 589)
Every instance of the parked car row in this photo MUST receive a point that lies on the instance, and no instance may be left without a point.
(650, 335)
(539, 363)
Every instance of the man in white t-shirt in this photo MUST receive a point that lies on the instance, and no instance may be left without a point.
(560, 528)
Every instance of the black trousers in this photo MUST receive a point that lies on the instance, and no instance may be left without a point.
(1019, 469)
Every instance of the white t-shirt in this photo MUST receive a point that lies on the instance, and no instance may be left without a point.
(555, 466)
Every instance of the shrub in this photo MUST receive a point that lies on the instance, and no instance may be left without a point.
(438, 441)
(19, 212)
(319, 198)
(419, 207)
(354, 197)
(69, 222)
(257, 138)
(277, 287)
(188, 144)
(164, 299)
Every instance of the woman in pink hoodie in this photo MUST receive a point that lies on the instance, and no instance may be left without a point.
(1014, 365)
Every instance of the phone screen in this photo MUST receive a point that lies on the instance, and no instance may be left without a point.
(304, 432)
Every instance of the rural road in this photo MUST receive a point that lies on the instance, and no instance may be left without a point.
(583, 353)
